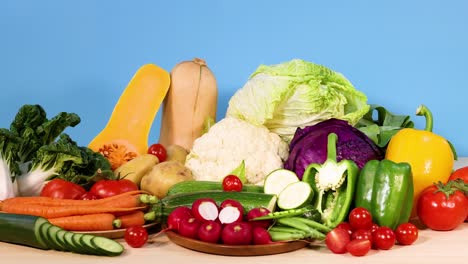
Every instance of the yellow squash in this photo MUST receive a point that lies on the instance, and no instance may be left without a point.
(431, 156)
(190, 103)
(126, 134)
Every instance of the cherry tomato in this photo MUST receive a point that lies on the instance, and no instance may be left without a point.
(362, 234)
(360, 218)
(359, 247)
(346, 226)
(232, 183)
(374, 227)
(406, 234)
(439, 212)
(159, 151)
(62, 189)
(136, 236)
(337, 239)
(106, 188)
(383, 238)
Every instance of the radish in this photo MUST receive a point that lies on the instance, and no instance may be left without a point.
(232, 202)
(237, 233)
(178, 214)
(230, 214)
(261, 236)
(205, 209)
(188, 227)
(210, 231)
(257, 212)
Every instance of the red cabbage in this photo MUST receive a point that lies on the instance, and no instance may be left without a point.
(309, 145)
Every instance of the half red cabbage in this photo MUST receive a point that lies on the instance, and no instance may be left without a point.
(309, 145)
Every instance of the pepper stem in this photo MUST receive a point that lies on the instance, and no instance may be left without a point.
(424, 111)
(331, 146)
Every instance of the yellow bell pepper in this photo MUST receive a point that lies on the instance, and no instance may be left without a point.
(431, 156)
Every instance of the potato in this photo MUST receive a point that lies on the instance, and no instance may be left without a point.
(176, 152)
(136, 168)
(163, 175)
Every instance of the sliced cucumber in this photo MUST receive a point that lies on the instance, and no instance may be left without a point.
(295, 195)
(107, 246)
(52, 237)
(277, 180)
(86, 242)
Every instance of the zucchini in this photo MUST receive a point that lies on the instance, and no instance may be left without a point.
(248, 200)
(196, 186)
(295, 195)
(277, 180)
(37, 232)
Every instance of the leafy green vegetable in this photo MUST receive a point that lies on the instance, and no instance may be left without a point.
(382, 129)
(296, 94)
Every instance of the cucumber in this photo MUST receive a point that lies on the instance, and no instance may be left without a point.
(277, 180)
(37, 232)
(22, 229)
(295, 195)
(196, 186)
(248, 200)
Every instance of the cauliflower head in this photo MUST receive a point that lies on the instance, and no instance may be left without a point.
(231, 141)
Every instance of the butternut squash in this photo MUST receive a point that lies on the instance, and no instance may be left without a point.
(191, 101)
(126, 134)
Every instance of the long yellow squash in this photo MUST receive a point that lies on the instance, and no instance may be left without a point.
(126, 134)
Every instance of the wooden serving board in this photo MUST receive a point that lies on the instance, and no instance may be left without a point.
(228, 250)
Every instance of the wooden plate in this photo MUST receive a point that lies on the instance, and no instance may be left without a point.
(114, 234)
(227, 250)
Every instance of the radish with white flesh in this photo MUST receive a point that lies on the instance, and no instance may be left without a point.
(177, 215)
(205, 209)
(277, 180)
(261, 236)
(231, 202)
(237, 234)
(189, 227)
(210, 231)
(230, 214)
(295, 195)
(257, 212)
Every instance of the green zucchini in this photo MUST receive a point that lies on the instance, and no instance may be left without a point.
(295, 195)
(248, 200)
(37, 232)
(197, 186)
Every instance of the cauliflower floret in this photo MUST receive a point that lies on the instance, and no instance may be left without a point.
(231, 141)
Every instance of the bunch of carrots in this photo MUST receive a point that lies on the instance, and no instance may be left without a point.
(119, 211)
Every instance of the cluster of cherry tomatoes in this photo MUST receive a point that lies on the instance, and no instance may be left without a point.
(360, 234)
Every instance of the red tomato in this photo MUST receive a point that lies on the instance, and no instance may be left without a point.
(360, 218)
(359, 247)
(62, 189)
(346, 226)
(362, 234)
(89, 196)
(232, 183)
(461, 173)
(159, 151)
(406, 233)
(107, 188)
(438, 212)
(383, 238)
(136, 236)
(337, 239)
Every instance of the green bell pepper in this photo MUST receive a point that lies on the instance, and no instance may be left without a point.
(385, 188)
(335, 183)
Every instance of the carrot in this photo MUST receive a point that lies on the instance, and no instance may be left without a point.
(89, 222)
(60, 211)
(131, 219)
(128, 199)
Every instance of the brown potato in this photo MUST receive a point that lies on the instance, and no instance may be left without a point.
(163, 175)
(176, 152)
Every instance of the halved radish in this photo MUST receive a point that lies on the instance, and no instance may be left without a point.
(232, 202)
(230, 214)
(205, 209)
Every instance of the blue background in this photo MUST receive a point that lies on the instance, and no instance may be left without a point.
(78, 56)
